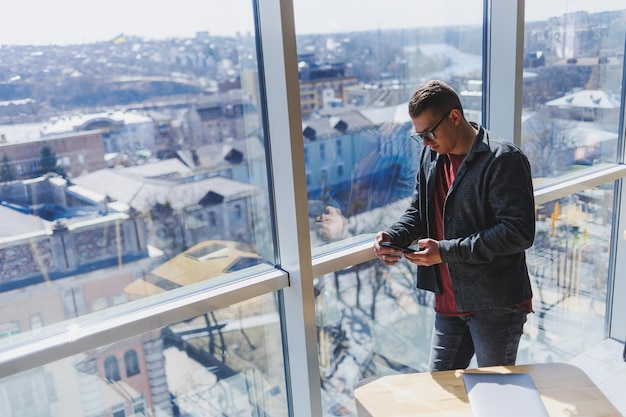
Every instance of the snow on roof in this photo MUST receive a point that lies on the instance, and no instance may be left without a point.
(73, 123)
(142, 193)
(597, 99)
(398, 114)
(13, 223)
(159, 168)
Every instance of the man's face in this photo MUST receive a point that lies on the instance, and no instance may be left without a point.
(437, 131)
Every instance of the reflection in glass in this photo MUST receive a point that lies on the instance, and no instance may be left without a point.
(569, 265)
(355, 87)
(224, 363)
(572, 85)
(371, 321)
(129, 162)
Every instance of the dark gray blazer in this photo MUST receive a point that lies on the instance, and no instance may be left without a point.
(489, 221)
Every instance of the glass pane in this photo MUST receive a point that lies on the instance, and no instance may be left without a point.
(133, 154)
(371, 321)
(569, 266)
(359, 64)
(224, 363)
(574, 55)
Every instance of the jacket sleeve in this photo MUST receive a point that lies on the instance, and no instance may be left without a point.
(411, 225)
(508, 210)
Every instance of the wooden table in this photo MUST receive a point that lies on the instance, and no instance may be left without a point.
(565, 390)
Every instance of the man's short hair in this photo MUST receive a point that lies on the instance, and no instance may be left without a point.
(436, 96)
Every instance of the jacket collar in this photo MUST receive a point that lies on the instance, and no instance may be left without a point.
(481, 142)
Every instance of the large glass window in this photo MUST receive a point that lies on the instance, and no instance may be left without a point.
(133, 184)
(573, 64)
(356, 77)
(226, 362)
(358, 68)
(371, 321)
(569, 266)
(133, 157)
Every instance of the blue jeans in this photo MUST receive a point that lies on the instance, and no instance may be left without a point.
(493, 335)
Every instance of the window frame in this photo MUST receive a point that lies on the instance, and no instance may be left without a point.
(298, 264)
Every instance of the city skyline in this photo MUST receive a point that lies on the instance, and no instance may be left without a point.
(65, 22)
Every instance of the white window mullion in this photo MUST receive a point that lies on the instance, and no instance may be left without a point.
(284, 124)
(504, 68)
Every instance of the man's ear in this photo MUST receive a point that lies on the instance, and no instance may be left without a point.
(457, 116)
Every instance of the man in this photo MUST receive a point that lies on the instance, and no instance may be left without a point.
(471, 219)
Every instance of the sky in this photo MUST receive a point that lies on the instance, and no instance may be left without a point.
(44, 22)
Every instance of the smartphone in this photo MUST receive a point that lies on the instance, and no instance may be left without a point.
(316, 208)
(391, 245)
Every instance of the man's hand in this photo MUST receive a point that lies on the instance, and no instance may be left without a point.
(427, 255)
(331, 224)
(389, 256)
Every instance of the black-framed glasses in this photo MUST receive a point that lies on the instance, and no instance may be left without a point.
(429, 135)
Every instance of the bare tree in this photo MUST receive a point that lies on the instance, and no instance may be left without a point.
(549, 145)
